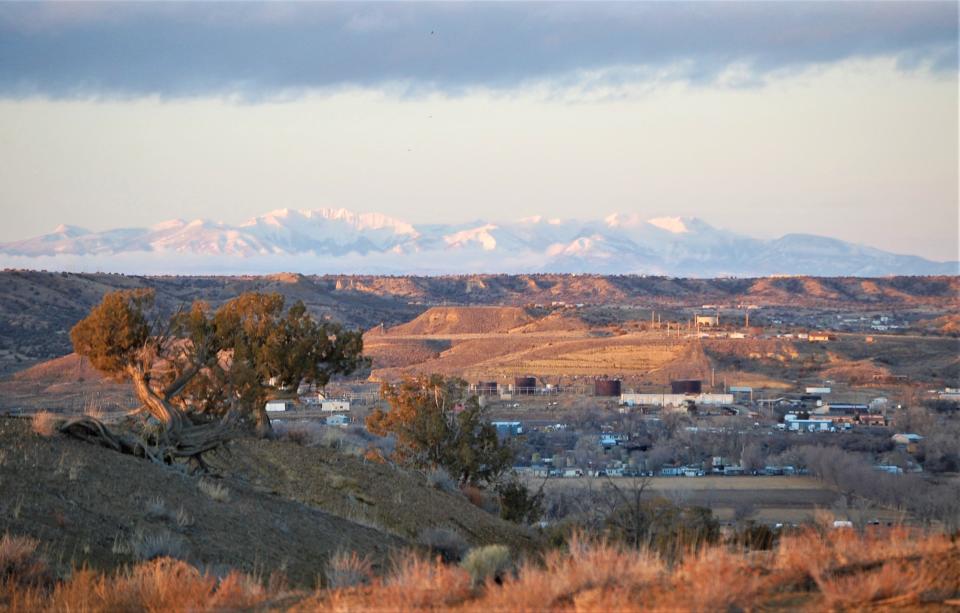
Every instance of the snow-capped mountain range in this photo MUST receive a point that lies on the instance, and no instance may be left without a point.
(342, 241)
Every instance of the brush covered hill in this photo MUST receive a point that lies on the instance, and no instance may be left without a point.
(791, 291)
(38, 308)
(269, 506)
(393, 500)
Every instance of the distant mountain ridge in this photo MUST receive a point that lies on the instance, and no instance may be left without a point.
(339, 240)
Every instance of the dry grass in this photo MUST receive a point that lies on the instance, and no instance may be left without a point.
(184, 520)
(94, 409)
(44, 423)
(214, 490)
(20, 565)
(486, 563)
(159, 545)
(348, 569)
(157, 509)
(812, 570)
(160, 585)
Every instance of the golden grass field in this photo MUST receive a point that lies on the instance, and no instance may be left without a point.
(449, 342)
(810, 570)
(500, 343)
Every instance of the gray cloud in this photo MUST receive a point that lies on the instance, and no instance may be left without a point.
(185, 49)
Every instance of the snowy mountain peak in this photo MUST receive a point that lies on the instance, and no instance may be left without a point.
(340, 240)
(170, 224)
(673, 225)
(70, 231)
(676, 225)
(535, 220)
(295, 219)
(482, 236)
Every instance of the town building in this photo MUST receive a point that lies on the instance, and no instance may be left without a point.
(278, 406)
(335, 406)
(506, 429)
(675, 400)
(337, 420)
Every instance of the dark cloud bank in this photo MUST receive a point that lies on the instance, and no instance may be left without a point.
(131, 49)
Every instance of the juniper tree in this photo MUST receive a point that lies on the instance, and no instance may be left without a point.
(203, 373)
(437, 424)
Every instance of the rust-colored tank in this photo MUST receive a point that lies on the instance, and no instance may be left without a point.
(525, 385)
(606, 387)
(686, 386)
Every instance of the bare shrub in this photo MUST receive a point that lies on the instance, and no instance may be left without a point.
(45, 423)
(157, 510)
(447, 544)
(214, 490)
(474, 495)
(352, 441)
(159, 545)
(489, 562)
(299, 436)
(440, 479)
(482, 499)
(302, 433)
(183, 518)
(348, 570)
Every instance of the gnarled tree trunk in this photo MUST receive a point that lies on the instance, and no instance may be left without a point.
(179, 439)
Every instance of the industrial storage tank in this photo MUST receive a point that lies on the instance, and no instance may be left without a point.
(487, 388)
(686, 386)
(525, 385)
(606, 387)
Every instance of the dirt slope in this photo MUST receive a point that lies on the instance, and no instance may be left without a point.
(66, 383)
(464, 320)
(393, 500)
(554, 322)
(59, 370)
(290, 507)
(85, 504)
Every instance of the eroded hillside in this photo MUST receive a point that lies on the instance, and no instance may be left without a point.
(282, 507)
(37, 309)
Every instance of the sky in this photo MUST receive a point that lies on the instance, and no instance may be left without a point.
(767, 118)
